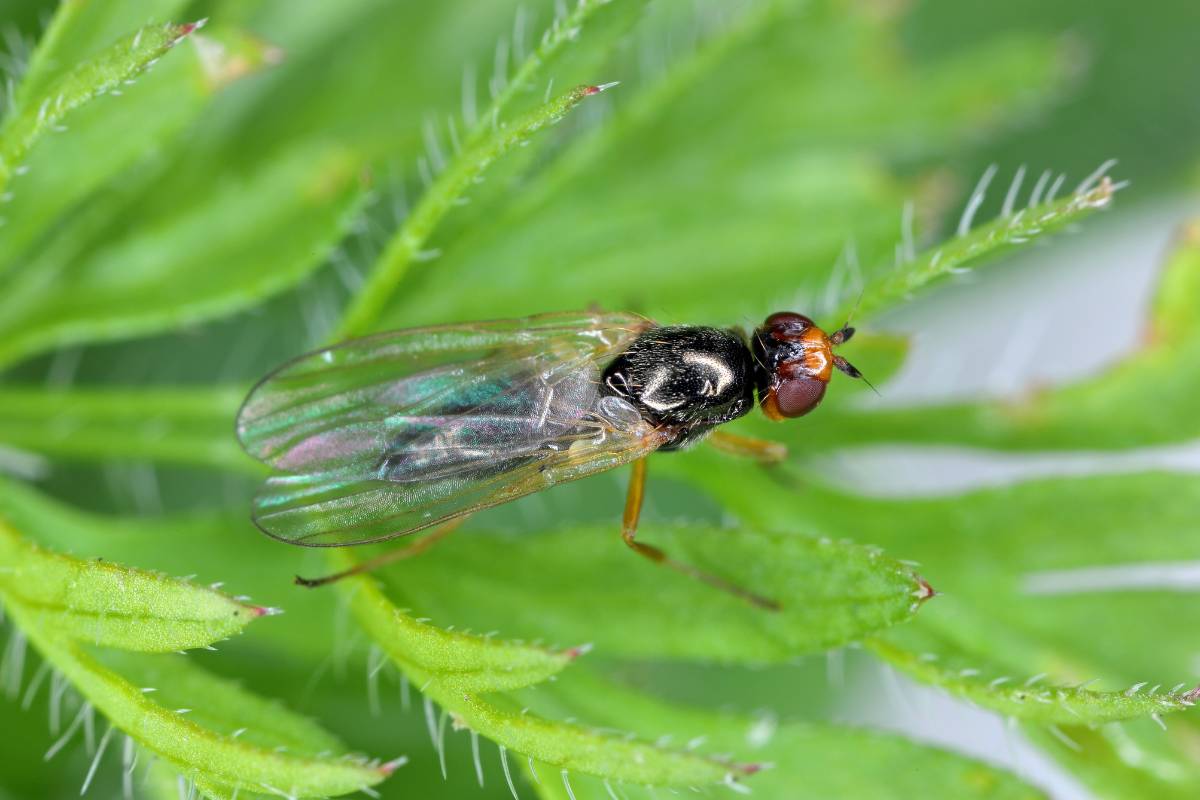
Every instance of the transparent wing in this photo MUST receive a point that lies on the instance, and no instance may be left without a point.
(389, 434)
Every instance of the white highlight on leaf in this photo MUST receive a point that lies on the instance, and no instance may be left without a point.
(763, 730)
(942, 471)
(1176, 576)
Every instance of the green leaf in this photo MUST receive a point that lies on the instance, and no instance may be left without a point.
(107, 604)
(220, 756)
(224, 707)
(220, 547)
(935, 661)
(173, 425)
(546, 585)
(1008, 554)
(1008, 558)
(39, 113)
(79, 31)
(459, 661)
(275, 227)
(1093, 414)
(141, 136)
(454, 669)
(1124, 761)
(488, 139)
(972, 247)
(761, 204)
(805, 760)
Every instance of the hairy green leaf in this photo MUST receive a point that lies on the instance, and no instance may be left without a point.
(806, 760)
(107, 604)
(141, 135)
(1117, 762)
(458, 661)
(972, 246)
(275, 226)
(1035, 570)
(583, 584)
(1094, 414)
(487, 139)
(78, 32)
(174, 425)
(454, 669)
(216, 756)
(40, 113)
(933, 660)
(762, 203)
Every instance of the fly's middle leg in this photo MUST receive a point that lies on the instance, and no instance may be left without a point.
(629, 523)
(764, 451)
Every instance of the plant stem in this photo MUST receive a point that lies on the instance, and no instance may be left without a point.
(408, 243)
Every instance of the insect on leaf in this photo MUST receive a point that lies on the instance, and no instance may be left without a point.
(580, 584)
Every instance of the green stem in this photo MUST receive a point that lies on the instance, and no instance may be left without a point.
(487, 140)
(970, 248)
(408, 243)
(104, 74)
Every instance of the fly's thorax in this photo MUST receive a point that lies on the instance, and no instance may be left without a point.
(683, 376)
(793, 361)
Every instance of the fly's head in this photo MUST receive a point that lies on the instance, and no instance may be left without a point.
(793, 361)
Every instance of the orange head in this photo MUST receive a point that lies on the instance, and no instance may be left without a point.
(793, 361)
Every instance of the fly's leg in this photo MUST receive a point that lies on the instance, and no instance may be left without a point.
(399, 554)
(763, 451)
(633, 510)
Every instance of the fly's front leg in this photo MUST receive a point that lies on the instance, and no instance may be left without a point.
(629, 523)
(763, 451)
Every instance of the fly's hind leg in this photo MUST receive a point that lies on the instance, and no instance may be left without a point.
(763, 451)
(629, 523)
(398, 554)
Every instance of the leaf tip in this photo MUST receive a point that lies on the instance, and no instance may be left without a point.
(388, 767)
(924, 590)
(186, 28)
(580, 650)
(588, 91)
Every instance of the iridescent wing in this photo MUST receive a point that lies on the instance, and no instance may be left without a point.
(385, 435)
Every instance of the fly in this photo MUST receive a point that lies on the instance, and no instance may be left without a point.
(383, 436)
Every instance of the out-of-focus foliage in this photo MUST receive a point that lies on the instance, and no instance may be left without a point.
(186, 205)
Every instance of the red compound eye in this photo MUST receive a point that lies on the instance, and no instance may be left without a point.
(794, 397)
(787, 324)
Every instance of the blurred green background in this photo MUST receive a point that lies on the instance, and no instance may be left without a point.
(219, 215)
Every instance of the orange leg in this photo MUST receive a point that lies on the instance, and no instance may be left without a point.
(761, 450)
(399, 554)
(629, 523)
